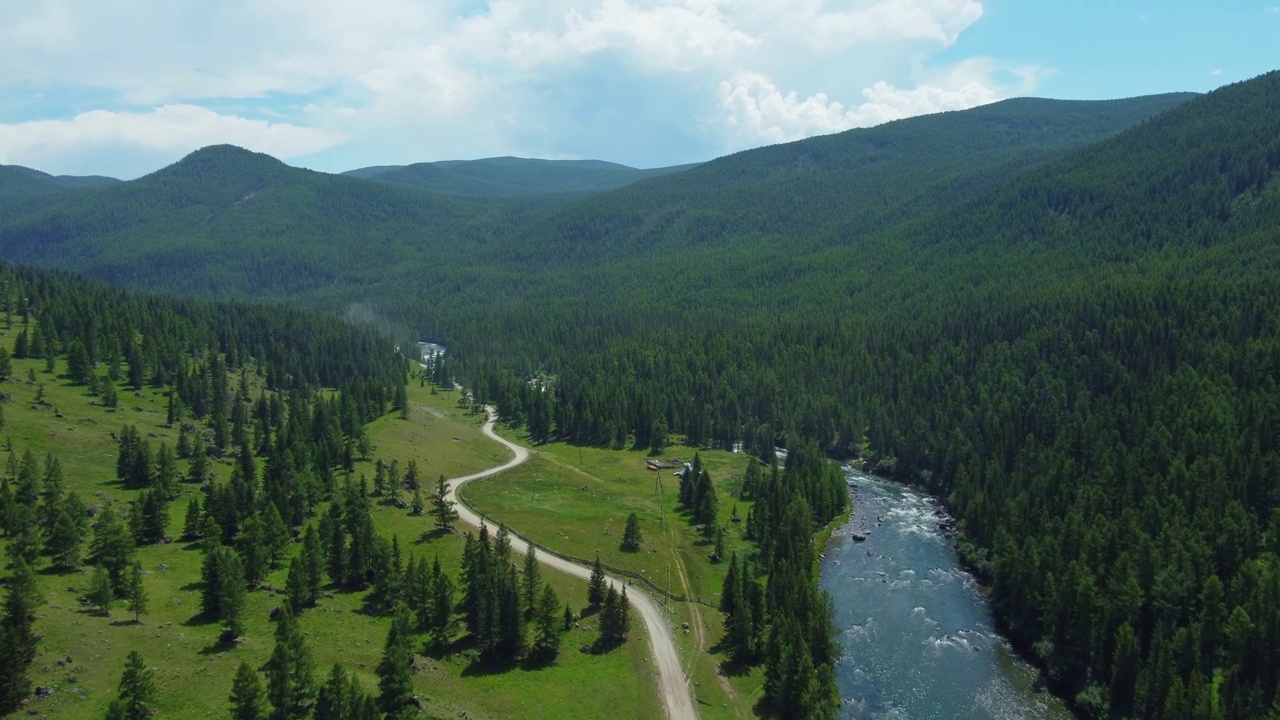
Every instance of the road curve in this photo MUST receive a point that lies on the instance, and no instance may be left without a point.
(677, 699)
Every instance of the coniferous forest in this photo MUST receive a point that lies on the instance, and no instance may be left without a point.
(1062, 319)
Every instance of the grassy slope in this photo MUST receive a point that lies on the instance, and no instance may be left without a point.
(193, 673)
(576, 500)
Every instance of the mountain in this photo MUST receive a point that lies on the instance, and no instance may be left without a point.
(1082, 362)
(225, 222)
(18, 183)
(512, 177)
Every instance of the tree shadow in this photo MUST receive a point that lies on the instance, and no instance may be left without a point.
(535, 662)
(55, 571)
(480, 668)
(200, 620)
(728, 667)
(124, 623)
(218, 647)
(434, 533)
(438, 651)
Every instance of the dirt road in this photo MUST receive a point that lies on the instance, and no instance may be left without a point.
(672, 685)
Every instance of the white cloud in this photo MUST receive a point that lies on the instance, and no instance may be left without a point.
(1216, 72)
(164, 134)
(421, 78)
(755, 110)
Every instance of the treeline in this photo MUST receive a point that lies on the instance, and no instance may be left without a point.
(776, 614)
(163, 341)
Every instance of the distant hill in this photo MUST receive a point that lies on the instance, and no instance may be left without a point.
(512, 176)
(225, 222)
(19, 183)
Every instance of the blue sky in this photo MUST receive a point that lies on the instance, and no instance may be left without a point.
(124, 87)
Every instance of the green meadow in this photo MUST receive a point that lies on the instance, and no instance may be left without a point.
(81, 653)
(576, 500)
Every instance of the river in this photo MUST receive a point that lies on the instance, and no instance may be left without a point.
(917, 637)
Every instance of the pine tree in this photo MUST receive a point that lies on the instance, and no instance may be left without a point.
(112, 547)
(246, 695)
(63, 543)
(395, 672)
(296, 586)
(222, 594)
(596, 585)
(136, 594)
(417, 504)
(17, 639)
(232, 592)
(440, 605)
(614, 618)
(442, 506)
(137, 693)
(331, 701)
(192, 523)
(6, 364)
(631, 535)
(275, 535)
(200, 470)
(531, 581)
(313, 564)
(290, 671)
(100, 592)
(166, 472)
(547, 628)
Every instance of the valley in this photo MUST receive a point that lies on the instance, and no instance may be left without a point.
(1058, 320)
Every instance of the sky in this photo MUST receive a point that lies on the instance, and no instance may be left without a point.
(125, 87)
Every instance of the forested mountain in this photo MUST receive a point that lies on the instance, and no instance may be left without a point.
(18, 183)
(511, 176)
(239, 224)
(228, 223)
(1085, 363)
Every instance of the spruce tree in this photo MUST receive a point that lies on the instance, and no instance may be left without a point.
(442, 506)
(112, 546)
(548, 625)
(100, 591)
(440, 605)
(17, 639)
(64, 541)
(596, 585)
(332, 699)
(192, 523)
(136, 594)
(232, 593)
(313, 564)
(296, 586)
(137, 693)
(532, 580)
(395, 672)
(246, 695)
(631, 534)
(290, 670)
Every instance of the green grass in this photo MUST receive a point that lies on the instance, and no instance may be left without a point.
(193, 672)
(576, 500)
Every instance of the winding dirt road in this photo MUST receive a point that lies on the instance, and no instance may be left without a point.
(677, 699)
